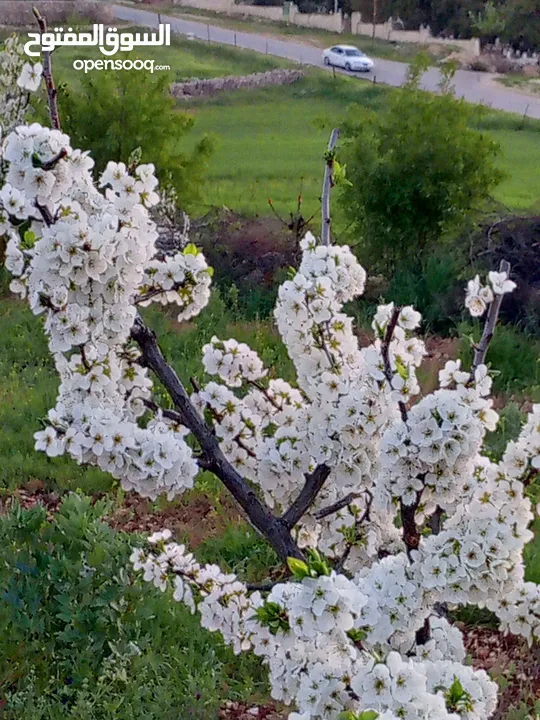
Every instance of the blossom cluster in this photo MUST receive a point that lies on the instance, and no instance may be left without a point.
(84, 263)
(325, 640)
(17, 79)
(479, 296)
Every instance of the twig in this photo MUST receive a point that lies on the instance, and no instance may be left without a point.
(50, 164)
(339, 505)
(365, 516)
(385, 352)
(482, 348)
(147, 296)
(327, 187)
(312, 486)
(262, 587)
(435, 521)
(169, 414)
(52, 92)
(45, 214)
(411, 534)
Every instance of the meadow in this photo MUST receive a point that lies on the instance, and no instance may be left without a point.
(268, 144)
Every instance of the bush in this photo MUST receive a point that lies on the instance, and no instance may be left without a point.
(251, 254)
(79, 639)
(416, 171)
(138, 112)
(437, 292)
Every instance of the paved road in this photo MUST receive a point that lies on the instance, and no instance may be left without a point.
(475, 87)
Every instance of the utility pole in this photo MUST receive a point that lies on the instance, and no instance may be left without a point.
(374, 19)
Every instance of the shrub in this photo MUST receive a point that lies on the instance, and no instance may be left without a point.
(251, 254)
(415, 171)
(138, 112)
(81, 639)
(515, 239)
(437, 291)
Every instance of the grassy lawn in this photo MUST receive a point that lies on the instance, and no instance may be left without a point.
(384, 49)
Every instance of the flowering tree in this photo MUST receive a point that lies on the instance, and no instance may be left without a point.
(385, 509)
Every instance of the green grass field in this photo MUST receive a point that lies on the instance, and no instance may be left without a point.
(270, 142)
(258, 155)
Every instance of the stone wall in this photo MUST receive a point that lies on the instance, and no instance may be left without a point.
(18, 13)
(423, 36)
(198, 88)
(333, 22)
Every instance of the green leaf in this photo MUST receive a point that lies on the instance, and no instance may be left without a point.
(298, 568)
(340, 175)
(402, 370)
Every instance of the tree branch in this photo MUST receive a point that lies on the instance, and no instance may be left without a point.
(273, 528)
(50, 164)
(489, 326)
(411, 534)
(328, 183)
(339, 505)
(385, 352)
(312, 487)
(52, 92)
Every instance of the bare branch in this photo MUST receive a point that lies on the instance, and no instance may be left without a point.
(328, 183)
(52, 92)
(339, 505)
(273, 528)
(45, 214)
(262, 587)
(489, 327)
(312, 487)
(169, 414)
(411, 533)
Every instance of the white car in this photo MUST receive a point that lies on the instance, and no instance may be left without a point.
(347, 57)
